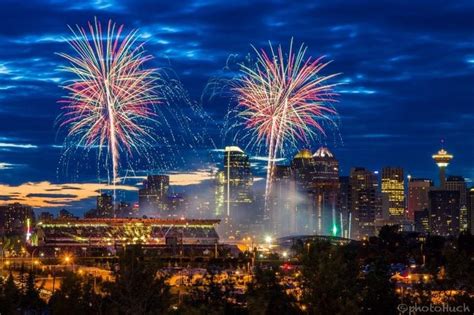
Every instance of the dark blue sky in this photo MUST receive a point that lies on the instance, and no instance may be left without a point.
(408, 68)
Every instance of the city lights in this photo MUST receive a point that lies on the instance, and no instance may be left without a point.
(268, 239)
(189, 165)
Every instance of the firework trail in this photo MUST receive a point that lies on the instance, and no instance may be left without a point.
(110, 103)
(282, 100)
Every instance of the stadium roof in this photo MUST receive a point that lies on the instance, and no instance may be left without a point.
(121, 221)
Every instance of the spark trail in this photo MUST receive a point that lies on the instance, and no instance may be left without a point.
(110, 102)
(283, 100)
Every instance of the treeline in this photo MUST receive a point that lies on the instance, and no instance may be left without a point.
(333, 279)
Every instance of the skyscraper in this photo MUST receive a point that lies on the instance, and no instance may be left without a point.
(471, 210)
(418, 196)
(326, 189)
(345, 204)
(393, 186)
(442, 159)
(365, 202)
(317, 182)
(105, 206)
(234, 195)
(283, 201)
(444, 212)
(457, 183)
(152, 198)
(13, 219)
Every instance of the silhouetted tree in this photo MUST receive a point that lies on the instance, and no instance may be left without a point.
(137, 289)
(330, 281)
(265, 296)
(30, 300)
(67, 299)
(378, 292)
(11, 297)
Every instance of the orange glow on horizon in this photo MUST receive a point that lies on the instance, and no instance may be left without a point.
(46, 194)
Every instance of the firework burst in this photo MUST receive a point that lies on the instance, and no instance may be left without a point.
(110, 103)
(283, 100)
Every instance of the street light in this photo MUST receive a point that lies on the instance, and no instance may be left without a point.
(268, 239)
(68, 259)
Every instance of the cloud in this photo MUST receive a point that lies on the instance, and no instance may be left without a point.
(6, 166)
(184, 178)
(17, 145)
(39, 194)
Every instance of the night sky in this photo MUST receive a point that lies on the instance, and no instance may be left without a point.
(407, 69)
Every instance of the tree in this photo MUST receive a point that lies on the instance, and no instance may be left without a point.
(211, 296)
(11, 296)
(265, 296)
(31, 300)
(329, 278)
(378, 293)
(137, 289)
(67, 300)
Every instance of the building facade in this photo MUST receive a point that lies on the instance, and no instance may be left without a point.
(365, 202)
(444, 212)
(393, 187)
(418, 196)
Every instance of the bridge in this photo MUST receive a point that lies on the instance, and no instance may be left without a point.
(289, 241)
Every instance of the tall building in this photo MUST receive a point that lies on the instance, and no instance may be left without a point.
(105, 206)
(457, 183)
(13, 219)
(365, 202)
(471, 210)
(283, 201)
(317, 184)
(46, 216)
(234, 193)
(152, 198)
(326, 190)
(64, 214)
(444, 212)
(345, 204)
(393, 186)
(442, 159)
(422, 221)
(418, 196)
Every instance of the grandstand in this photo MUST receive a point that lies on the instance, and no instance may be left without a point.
(114, 233)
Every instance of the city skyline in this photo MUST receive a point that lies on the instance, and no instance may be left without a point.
(391, 103)
(236, 157)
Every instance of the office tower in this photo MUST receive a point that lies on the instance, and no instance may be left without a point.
(393, 186)
(365, 202)
(471, 210)
(444, 212)
(325, 184)
(457, 183)
(152, 198)
(105, 206)
(234, 195)
(126, 210)
(442, 159)
(177, 204)
(283, 201)
(418, 196)
(13, 219)
(304, 169)
(237, 166)
(345, 204)
(303, 172)
(46, 216)
(422, 221)
(64, 214)
(316, 179)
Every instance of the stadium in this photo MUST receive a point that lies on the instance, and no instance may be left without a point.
(110, 235)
